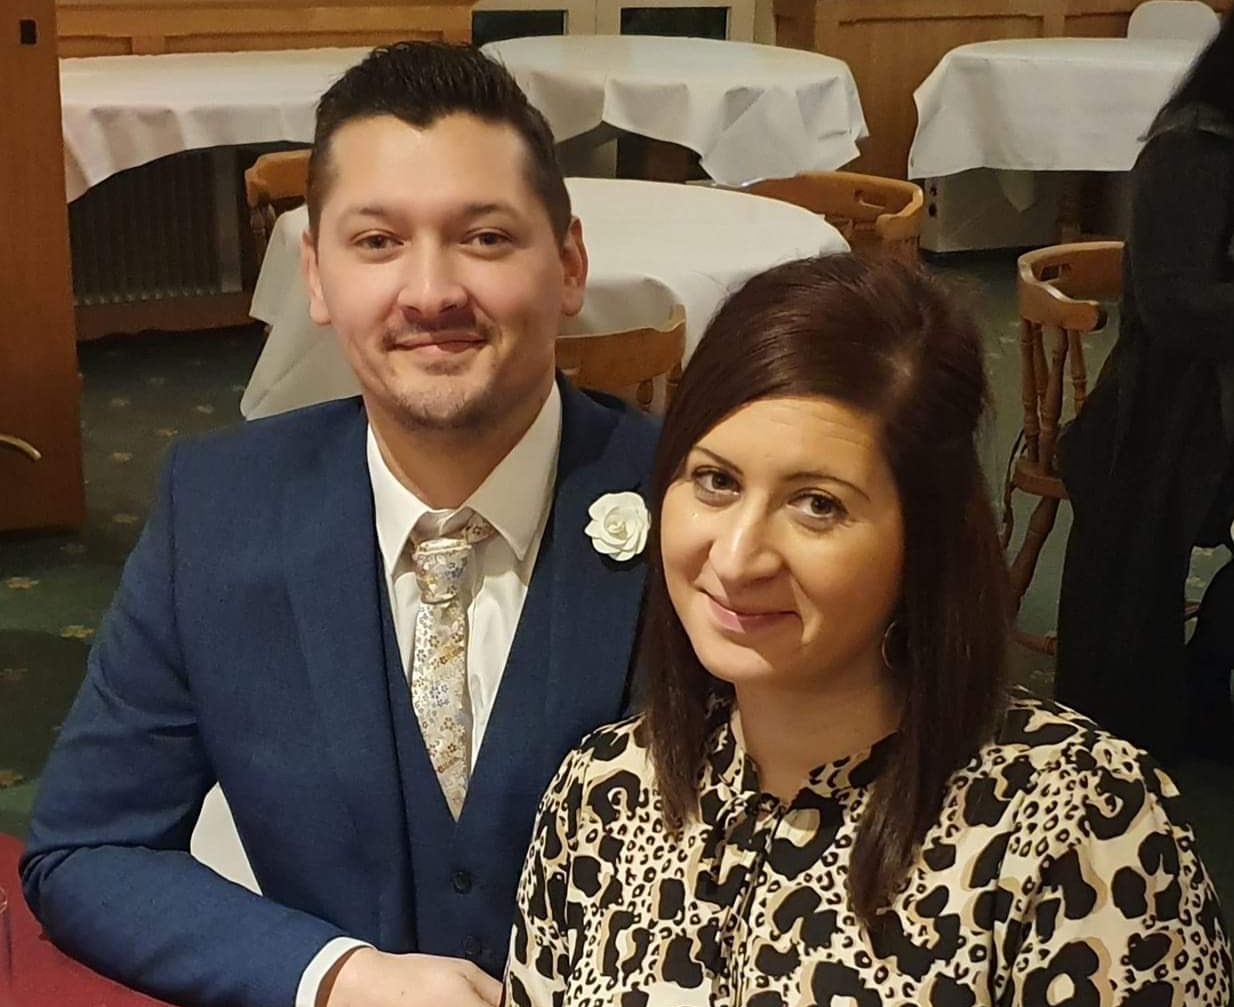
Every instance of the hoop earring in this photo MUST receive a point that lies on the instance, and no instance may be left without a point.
(882, 647)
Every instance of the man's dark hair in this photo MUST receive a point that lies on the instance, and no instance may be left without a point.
(422, 82)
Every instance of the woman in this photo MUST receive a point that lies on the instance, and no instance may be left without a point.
(1147, 463)
(829, 798)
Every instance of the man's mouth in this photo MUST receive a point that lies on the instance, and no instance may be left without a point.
(449, 341)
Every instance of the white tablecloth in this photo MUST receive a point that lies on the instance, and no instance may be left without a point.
(651, 245)
(1043, 104)
(119, 112)
(750, 111)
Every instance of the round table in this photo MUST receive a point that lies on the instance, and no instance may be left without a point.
(42, 974)
(1043, 104)
(118, 112)
(750, 111)
(651, 245)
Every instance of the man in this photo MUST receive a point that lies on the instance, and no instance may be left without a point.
(285, 625)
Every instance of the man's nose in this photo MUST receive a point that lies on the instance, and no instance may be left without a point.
(430, 284)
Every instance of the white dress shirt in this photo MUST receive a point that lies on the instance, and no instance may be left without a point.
(515, 499)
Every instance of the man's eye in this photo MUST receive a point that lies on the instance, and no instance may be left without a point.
(375, 242)
(489, 239)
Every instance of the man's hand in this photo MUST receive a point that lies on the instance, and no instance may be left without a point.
(367, 977)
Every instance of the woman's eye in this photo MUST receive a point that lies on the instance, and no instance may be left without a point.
(820, 506)
(713, 482)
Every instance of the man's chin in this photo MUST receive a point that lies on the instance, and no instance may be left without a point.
(463, 406)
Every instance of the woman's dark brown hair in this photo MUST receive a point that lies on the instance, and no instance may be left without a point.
(883, 338)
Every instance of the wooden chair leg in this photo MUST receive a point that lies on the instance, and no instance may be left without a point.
(1008, 516)
(1070, 207)
(1036, 641)
(1039, 527)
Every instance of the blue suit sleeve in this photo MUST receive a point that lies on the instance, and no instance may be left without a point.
(106, 868)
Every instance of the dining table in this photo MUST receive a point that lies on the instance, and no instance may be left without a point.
(651, 245)
(42, 974)
(749, 111)
(1043, 104)
(119, 112)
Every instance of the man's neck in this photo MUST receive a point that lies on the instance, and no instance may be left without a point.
(445, 467)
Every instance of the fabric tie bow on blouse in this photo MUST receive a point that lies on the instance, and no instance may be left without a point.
(439, 660)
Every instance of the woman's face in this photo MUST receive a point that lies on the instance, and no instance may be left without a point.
(783, 544)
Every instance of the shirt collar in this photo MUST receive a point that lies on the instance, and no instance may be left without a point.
(514, 498)
(733, 772)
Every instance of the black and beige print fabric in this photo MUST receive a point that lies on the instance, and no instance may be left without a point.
(1056, 875)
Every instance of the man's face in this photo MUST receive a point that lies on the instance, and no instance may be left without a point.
(437, 265)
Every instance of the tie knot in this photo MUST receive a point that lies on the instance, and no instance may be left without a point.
(441, 563)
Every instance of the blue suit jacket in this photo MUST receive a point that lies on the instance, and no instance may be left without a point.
(246, 645)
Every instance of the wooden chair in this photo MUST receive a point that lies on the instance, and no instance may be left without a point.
(275, 182)
(1058, 290)
(1187, 20)
(621, 362)
(873, 213)
(21, 446)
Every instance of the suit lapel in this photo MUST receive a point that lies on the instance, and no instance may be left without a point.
(596, 600)
(568, 665)
(333, 574)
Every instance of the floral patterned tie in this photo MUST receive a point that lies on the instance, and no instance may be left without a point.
(439, 661)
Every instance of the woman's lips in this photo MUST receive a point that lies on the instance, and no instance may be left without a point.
(744, 622)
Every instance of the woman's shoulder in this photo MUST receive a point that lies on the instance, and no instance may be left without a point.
(610, 742)
(1044, 747)
(1047, 732)
(609, 774)
(611, 748)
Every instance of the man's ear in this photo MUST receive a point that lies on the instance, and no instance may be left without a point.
(318, 311)
(574, 266)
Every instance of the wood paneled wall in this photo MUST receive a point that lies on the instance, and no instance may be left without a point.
(892, 45)
(117, 27)
(40, 459)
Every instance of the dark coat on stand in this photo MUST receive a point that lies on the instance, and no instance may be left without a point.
(1146, 463)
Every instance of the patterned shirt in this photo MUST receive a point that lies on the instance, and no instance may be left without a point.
(1058, 873)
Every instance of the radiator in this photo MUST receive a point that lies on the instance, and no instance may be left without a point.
(168, 229)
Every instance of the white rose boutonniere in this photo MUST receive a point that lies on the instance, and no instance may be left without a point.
(618, 525)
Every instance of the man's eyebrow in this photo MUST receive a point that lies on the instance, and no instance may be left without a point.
(367, 210)
(474, 209)
(496, 206)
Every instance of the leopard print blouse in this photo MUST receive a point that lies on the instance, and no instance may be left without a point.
(1057, 874)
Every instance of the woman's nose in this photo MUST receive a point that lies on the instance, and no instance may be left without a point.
(743, 548)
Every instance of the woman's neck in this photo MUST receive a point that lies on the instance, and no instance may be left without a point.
(789, 732)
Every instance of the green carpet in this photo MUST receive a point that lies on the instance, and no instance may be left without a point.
(139, 394)
(142, 392)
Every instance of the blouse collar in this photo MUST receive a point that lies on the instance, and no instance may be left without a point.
(735, 775)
